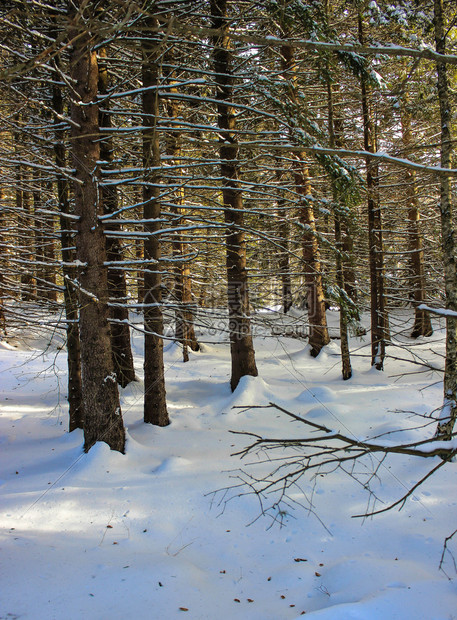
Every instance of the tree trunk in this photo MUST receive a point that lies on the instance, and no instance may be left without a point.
(379, 325)
(117, 288)
(155, 405)
(318, 331)
(340, 256)
(75, 398)
(23, 211)
(422, 322)
(102, 412)
(448, 414)
(184, 332)
(241, 345)
(2, 266)
(284, 259)
(50, 252)
(283, 250)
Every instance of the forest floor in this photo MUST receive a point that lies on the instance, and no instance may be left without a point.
(153, 534)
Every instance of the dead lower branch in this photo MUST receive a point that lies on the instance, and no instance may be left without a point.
(322, 452)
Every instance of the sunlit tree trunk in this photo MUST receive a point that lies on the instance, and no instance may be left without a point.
(117, 288)
(102, 412)
(318, 331)
(75, 398)
(422, 323)
(448, 415)
(283, 250)
(24, 249)
(346, 368)
(2, 265)
(379, 321)
(184, 332)
(241, 345)
(155, 405)
(39, 233)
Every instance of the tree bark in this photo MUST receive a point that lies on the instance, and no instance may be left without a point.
(23, 211)
(102, 412)
(379, 325)
(155, 405)
(241, 345)
(283, 255)
(184, 331)
(317, 319)
(448, 414)
(2, 267)
(75, 398)
(346, 367)
(117, 287)
(422, 322)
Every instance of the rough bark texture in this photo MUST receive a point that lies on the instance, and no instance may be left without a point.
(241, 345)
(422, 322)
(75, 398)
(102, 412)
(184, 332)
(283, 249)
(449, 413)
(155, 405)
(318, 331)
(44, 240)
(2, 292)
(346, 367)
(23, 210)
(283, 259)
(117, 288)
(379, 321)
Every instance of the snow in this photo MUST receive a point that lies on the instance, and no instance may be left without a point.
(152, 534)
(438, 311)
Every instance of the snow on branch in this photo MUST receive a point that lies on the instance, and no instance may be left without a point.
(322, 452)
(438, 311)
(396, 51)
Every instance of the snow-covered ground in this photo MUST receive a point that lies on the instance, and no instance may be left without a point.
(143, 535)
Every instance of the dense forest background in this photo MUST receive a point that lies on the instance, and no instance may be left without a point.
(166, 165)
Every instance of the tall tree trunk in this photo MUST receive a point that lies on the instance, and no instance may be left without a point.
(39, 233)
(241, 345)
(347, 247)
(102, 412)
(346, 368)
(75, 398)
(318, 331)
(448, 415)
(49, 252)
(283, 254)
(2, 265)
(24, 214)
(139, 276)
(379, 321)
(44, 233)
(422, 323)
(284, 258)
(184, 332)
(117, 287)
(155, 404)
